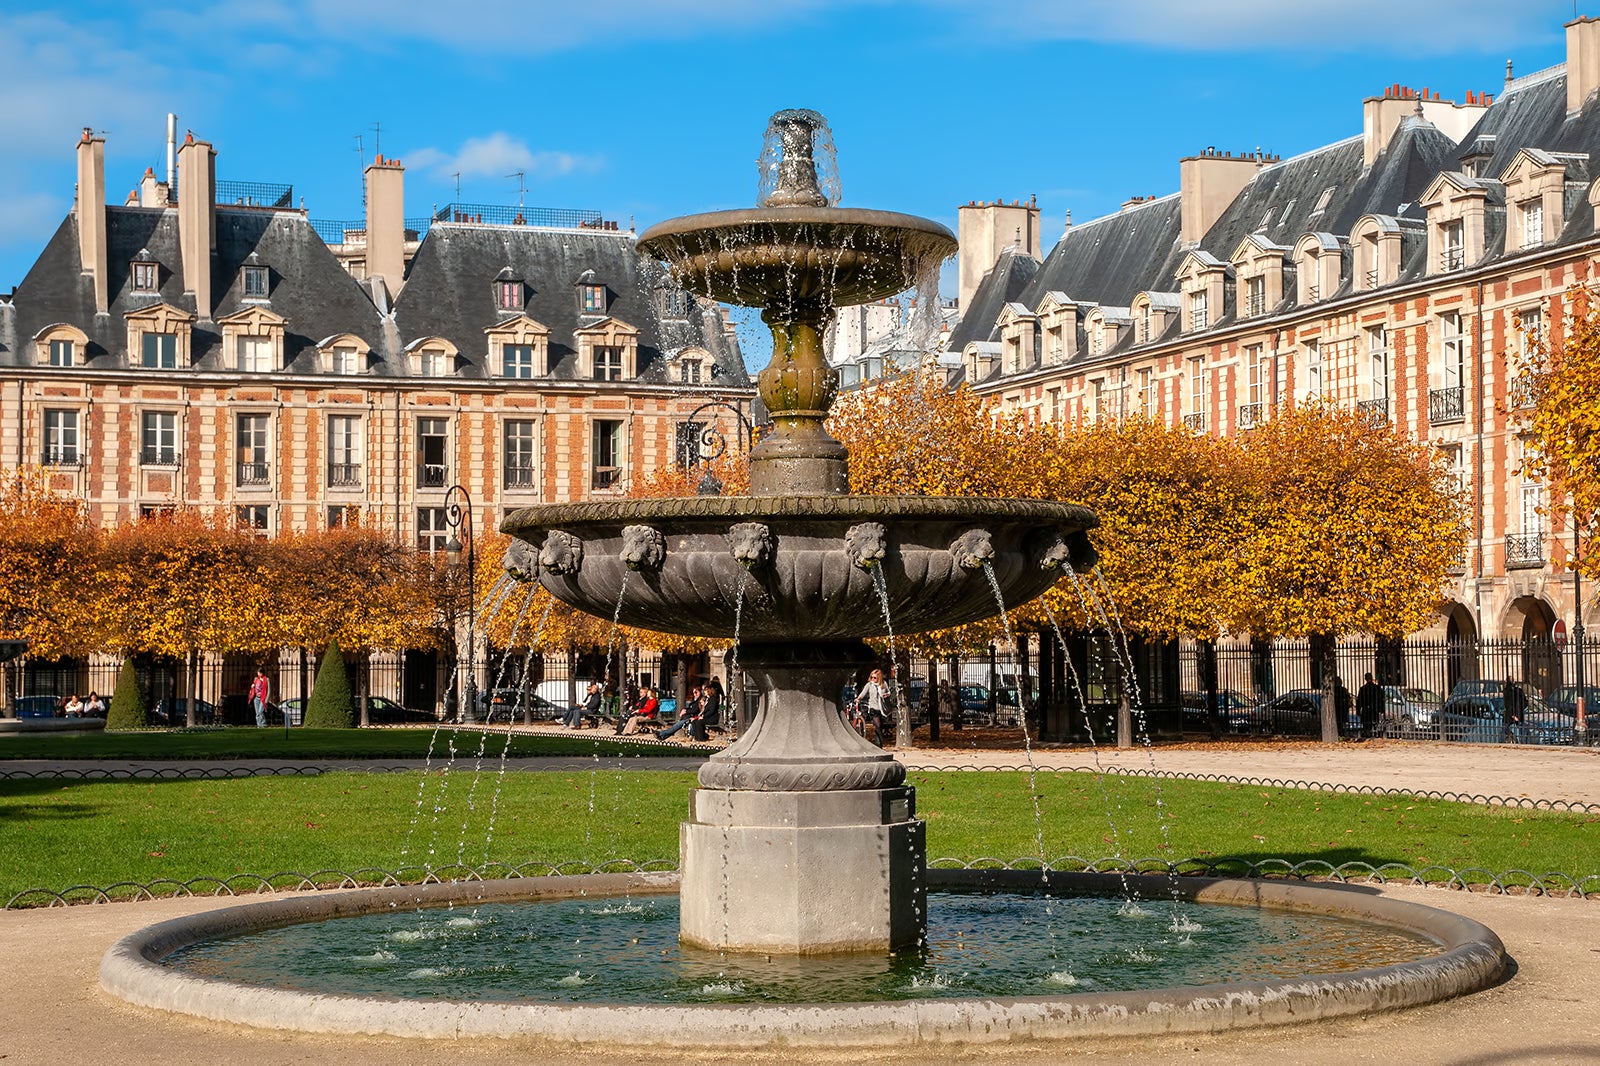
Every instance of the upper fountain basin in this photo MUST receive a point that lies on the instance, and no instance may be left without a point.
(831, 256)
(805, 564)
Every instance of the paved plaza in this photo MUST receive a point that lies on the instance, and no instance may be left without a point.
(56, 1013)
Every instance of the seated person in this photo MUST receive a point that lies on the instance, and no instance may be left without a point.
(644, 713)
(688, 714)
(590, 706)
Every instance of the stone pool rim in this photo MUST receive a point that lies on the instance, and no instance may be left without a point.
(1470, 957)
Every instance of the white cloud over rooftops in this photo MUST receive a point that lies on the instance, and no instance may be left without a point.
(497, 155)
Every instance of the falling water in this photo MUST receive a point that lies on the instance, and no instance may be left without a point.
(1106, 801)
(1093, 607)
(902, 721)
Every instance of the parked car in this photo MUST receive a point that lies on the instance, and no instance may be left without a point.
(174, 711)
(510, 704)
(1565, 699)
(1475, 713)
(1297, 713)
(36, 706)
(1234, 708)
(1409, 711)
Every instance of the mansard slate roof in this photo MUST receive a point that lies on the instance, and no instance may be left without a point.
(1004, 284)
(306, 285)
(448, 293)
(1111, 259)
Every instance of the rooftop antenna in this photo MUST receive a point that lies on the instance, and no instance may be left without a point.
(361, 151)
(377, 138)
(521, 185)
(457, 176)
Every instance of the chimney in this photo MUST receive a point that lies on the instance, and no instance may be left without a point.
(985, 230)
(91, 212)
(1208, 183)
(1583, 60)
(197, 220)
(1382, 115)
(386, 224)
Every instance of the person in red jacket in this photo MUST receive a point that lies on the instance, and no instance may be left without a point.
(644, 713)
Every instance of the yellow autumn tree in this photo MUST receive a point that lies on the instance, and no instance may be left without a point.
(1560, 384)
(47, 552)
(352, 584)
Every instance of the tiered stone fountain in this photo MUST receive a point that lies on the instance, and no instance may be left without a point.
(803, 837)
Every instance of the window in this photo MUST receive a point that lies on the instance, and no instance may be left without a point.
(252, 517)
(1198, 315)
(1097, 399)
(60, 438)
(517, 360)
(1147, 392)
(687, 451)
(1255, 296)
(1532, 506)
(342, 516)
(1145, 315)
(1057, 346)
(1055, 405)
(1455, 470)
(1454, 255)
(346, 361)
(607, 454)
(255, 354)
(1254, 410)
(159, 439)
(1096, 340)
(1453, 350)
(520, 470)
(430, 362)
(344, 451)
(433, 472)
(252, 441)
(144, 276)
(1376, 406)
(1197, 388)
(159, 351)
(674, 303)
(432, 533)
(1314, 368)
(61, 352)
(156, 511)
(691, 371)
(607, 363)
(592, 299)
(508, 295)
(255, 282)
(1530, 327)
(1532, 223)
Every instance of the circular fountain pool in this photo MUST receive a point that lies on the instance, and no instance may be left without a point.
(597, 958)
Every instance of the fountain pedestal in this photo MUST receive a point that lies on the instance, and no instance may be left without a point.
(803, 872)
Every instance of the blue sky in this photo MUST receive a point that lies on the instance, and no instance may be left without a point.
(646, 109)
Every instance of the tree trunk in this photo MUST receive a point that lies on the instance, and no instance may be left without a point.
(932, 699)
(1330, 685)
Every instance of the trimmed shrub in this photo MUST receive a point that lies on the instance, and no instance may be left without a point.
(330, 704)
(128, 710)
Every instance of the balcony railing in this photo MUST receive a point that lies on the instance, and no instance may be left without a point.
(344, 475)
(1525, 551)
(1198, 319)
(1252, 415)
(60, 458)
(1375, 411)
(1195, 421)
(254, 474)
(606, 477)
(519, 477)
(433, 475)
(1313, 293)
(1446, 405)
(157, 457)
(1372, 278)
(1452, 259)
(1255, 304)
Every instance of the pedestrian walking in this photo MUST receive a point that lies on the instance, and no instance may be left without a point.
(260, 690)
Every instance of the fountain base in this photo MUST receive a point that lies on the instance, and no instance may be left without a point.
(803, 872)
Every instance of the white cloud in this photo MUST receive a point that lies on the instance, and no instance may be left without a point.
(496, 156)
(1318, 26)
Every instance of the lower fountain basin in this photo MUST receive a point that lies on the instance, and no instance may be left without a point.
(782, 567)
(1463, 957)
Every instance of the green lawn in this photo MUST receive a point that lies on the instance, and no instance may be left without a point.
(310, 744)
(56, 834)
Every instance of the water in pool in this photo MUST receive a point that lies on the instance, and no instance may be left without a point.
(626, 950)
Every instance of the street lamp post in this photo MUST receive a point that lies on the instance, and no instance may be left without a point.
(458, 520)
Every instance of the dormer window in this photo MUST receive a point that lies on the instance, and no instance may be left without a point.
(1145, 324)
(144, 276)
(508, 295)
(430, 363)
(255, 353)
(344, 354)
(1199, 313)
(674, 303)
(691, 371)
(345, 360)
(1532, 223)
(1453, 255)
(62, 351)
(60, 344)
(607, 362)
(591, 294)
(1255, 296)
(254, 282)
(517, 361)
